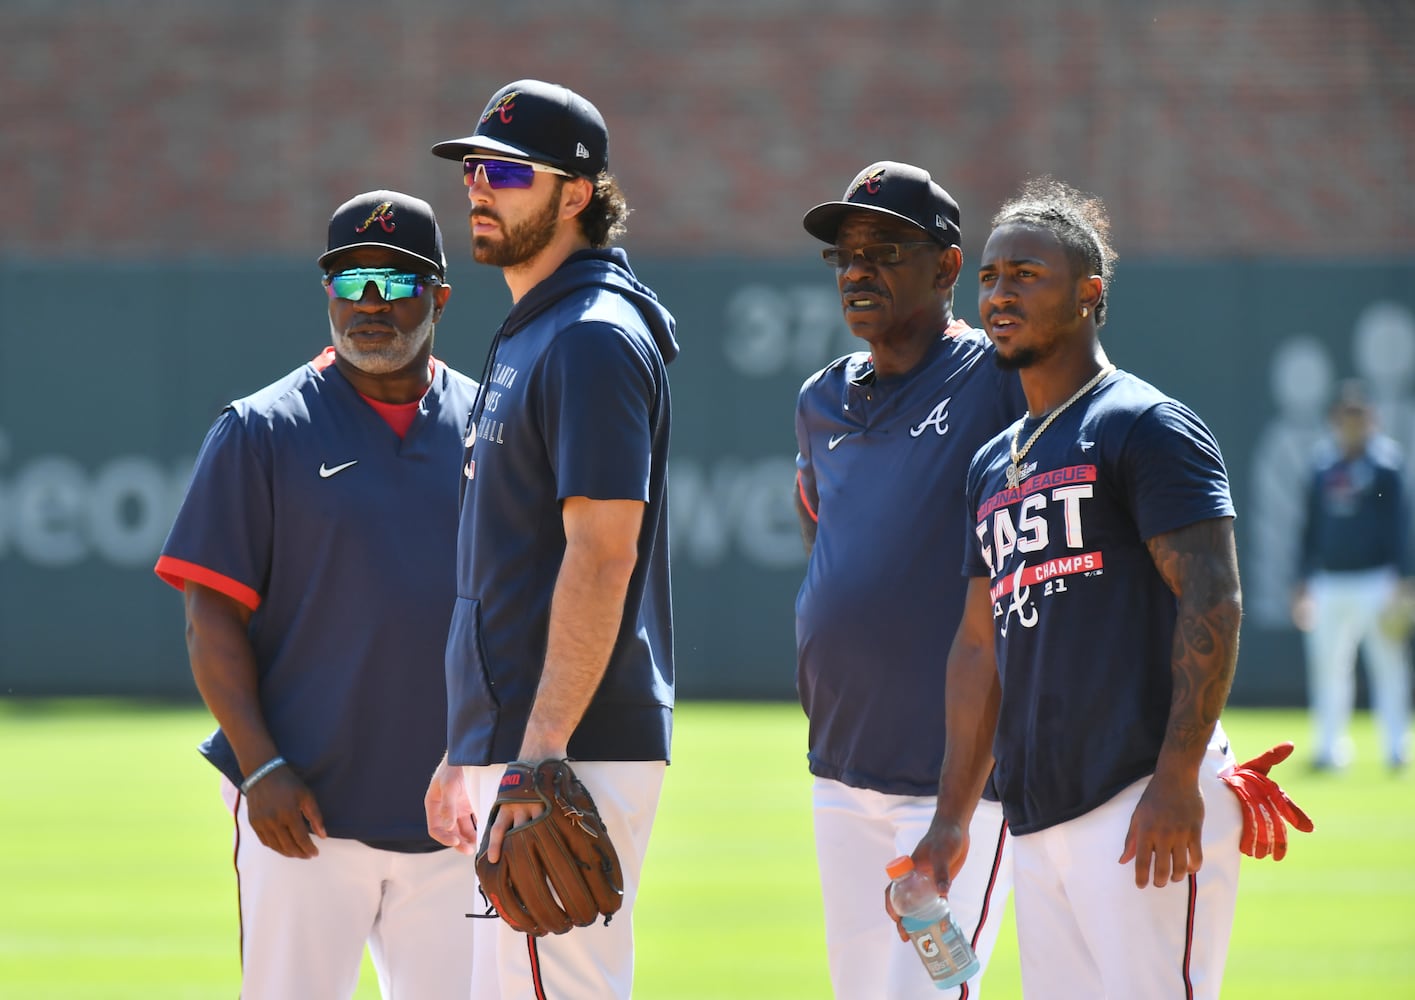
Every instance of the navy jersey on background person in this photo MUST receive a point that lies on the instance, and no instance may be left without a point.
(307, 507)
(1084, 621)
(880, 467)
(576, 404)
(1357, 512)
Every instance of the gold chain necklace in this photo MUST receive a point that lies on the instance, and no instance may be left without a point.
(1014, 471)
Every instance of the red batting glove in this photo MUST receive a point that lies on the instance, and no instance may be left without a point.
(1266, 808)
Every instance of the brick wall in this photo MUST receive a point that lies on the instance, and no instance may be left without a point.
(158, 129)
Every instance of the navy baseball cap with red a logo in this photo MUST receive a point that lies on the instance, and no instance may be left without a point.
(544, 122)
(898, 189)
(389, 220)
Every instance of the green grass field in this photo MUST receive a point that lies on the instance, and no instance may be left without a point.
(116, 881)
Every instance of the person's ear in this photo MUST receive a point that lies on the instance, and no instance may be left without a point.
(950, 266)
(575, 194)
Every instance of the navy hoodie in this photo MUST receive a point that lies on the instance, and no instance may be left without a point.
(575, 403)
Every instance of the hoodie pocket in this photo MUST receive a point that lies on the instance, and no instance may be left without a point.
(472, 703)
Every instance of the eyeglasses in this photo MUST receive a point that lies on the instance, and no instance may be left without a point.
(499, 173)
(887, 254)
(391, 283)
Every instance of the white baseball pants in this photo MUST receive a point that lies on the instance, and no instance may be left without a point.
(305, 921)
(1085, 930)
(585, 963)
(1347, 609)
(858, 832)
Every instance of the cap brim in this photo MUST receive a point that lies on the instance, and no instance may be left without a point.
(456, 149)
(421, 261)
(823, 221)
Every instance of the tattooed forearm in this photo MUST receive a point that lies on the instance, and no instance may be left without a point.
(1200, 564)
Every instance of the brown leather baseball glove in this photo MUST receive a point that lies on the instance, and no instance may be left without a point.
(559, 870)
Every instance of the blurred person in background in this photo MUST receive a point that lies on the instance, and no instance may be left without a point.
(884, 437)
(1355, 590)
(315, 550)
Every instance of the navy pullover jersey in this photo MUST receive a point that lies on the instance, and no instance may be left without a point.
(576, 404)
(308, 508)
(1358, 514)
(1084, 621)
(881, 467)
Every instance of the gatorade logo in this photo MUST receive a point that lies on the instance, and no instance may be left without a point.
(927, 946)
(383, 215)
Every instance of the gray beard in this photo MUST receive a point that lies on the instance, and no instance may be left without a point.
(388, 358)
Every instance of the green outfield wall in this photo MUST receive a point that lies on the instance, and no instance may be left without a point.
(110, 376)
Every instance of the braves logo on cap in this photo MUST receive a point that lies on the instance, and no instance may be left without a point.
(502, 108)
(870, 182)
(383, 215)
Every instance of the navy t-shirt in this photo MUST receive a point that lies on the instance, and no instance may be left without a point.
(880, 465)
(1084, 621)
(307, 507)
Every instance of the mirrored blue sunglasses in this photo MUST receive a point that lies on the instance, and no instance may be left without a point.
(500, 173)
(391, 283)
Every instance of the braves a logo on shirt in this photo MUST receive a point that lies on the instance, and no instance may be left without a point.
(502, 108)
(1020, 602)
(1014, 521)
(870, 182)
(383, 215)
(937, 419)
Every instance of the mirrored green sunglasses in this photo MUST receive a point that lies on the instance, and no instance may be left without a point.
(391, 283)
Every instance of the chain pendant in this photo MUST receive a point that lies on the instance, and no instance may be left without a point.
(1013, 472)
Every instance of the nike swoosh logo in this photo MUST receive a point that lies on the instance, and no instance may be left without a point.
(325, 471)
(835, 439)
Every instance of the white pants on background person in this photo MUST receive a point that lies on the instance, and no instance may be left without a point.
(859, 831)
(305, 921)
(1085, 930)
(1346, 614)
(585, 963)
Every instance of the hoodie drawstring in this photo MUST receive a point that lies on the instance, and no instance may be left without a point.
(474, 417)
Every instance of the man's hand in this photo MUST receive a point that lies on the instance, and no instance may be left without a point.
(282, 812)
(1166, 830)
(508, 816)
(1266, 808)
(450, 820)
(939, 856)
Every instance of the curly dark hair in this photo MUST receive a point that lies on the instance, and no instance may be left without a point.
(1079, 222)
(602, 221)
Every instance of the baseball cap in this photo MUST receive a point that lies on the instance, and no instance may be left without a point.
(898, 189)
(389, 220)
(539, 121)
(1350, 399)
